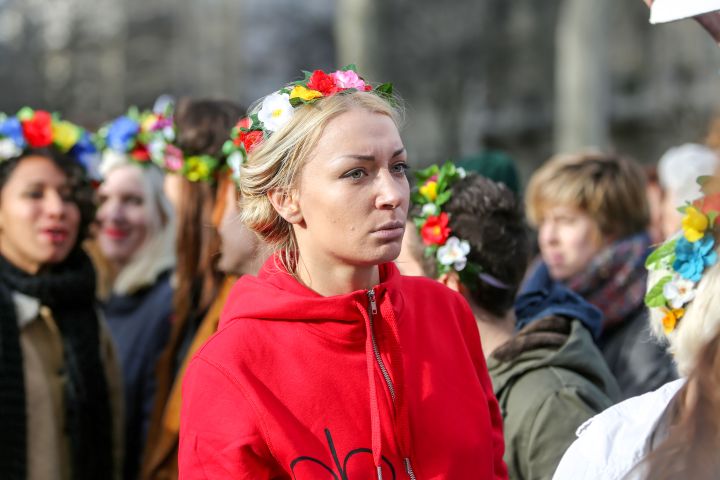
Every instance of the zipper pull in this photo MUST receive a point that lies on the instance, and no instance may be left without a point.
(373, 305)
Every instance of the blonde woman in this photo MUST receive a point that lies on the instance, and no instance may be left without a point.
(684, 310)
(136, 236)
(330, 364)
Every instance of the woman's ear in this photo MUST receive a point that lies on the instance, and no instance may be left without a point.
(286, 204)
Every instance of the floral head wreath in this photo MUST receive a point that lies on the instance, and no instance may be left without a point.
(277, 109)
(685, 259)
(449, 251)
(148, 138)
(38, 129)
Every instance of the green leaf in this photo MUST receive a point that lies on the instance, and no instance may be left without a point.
(385, 89)
(664, 250)
(655, 297)
(712, 216)
(703, 179)
(352, 67)
(443, 197)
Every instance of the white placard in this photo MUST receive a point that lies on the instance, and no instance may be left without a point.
(669, 10)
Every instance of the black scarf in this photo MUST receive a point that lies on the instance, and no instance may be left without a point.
(68, 289)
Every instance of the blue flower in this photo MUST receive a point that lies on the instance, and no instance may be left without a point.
(691, 259)
(12, 129)
(84, 151)
(121, 133)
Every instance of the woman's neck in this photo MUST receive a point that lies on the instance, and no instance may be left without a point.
(494, 331)
(335, 278)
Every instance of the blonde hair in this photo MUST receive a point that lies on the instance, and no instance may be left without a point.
(277, 162)
(157, 253)
(610, 189)
(700, 322)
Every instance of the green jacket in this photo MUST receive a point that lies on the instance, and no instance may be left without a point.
(548, 379)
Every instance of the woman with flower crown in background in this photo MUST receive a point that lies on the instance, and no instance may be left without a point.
(685, 310)
(136, 236)
(203, 127)
(547, 373)
(330, 364)
(60, 395)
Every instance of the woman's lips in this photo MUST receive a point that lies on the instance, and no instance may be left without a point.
(56, 236)
(115, 233)
(390, 231)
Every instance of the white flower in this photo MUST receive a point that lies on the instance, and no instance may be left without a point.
(111, 159)
(429, 209)
(454, 253)
(235, 161)
(276, 111)
(157, 150)
(461, 171)
(679, 292)
(8, 149)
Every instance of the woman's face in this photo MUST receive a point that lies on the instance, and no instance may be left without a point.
(239, 249)
(352, 199)
(123, 215)
(39, 221)
(569, 239)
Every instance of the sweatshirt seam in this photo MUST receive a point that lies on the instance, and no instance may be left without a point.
(263, 427)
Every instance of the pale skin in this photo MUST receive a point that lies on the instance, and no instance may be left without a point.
(349, 208)
(39, 220)
(568, 240)
(494, 331)
(122, 215)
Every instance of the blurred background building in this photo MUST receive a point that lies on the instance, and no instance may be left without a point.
(526, 76)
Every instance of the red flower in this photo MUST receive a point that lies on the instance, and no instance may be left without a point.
(251, 139)
(38, 130)
(436, 230)
(140, 153)
(323, 83)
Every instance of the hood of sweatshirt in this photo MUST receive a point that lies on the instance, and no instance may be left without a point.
(349, 317)
(553, 341)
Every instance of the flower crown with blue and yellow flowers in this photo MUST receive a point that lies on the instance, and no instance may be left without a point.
(277, 109)
(433, 190)
(685, 258)
(148, 137)
(38, 129)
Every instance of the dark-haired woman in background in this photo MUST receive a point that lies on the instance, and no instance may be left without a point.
(203, 126)
(59, 396)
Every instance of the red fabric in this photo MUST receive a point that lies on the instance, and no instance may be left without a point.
(289, 387)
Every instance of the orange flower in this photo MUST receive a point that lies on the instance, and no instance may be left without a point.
(672, 316)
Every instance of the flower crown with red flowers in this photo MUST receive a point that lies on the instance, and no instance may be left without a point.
(37, 129)
(277, 109)
(684, 259)
(433, 190)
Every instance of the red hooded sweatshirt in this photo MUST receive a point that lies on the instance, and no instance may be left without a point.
(386, 383)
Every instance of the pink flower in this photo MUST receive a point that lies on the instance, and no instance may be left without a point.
(173, 158)
(348, 79)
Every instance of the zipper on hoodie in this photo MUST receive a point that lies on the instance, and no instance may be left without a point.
(385, 374)
(376, 350)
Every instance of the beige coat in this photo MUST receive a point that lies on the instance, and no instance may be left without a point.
(48, 447)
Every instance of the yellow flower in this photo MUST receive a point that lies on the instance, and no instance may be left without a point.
(694, 224)
(429, 191)
(196, 169)
(671, 318)
(149, 122)
(65, 135)
(304, 93)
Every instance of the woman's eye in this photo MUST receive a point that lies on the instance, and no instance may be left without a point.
(355, 174)
(401, 167)
(34, 194)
